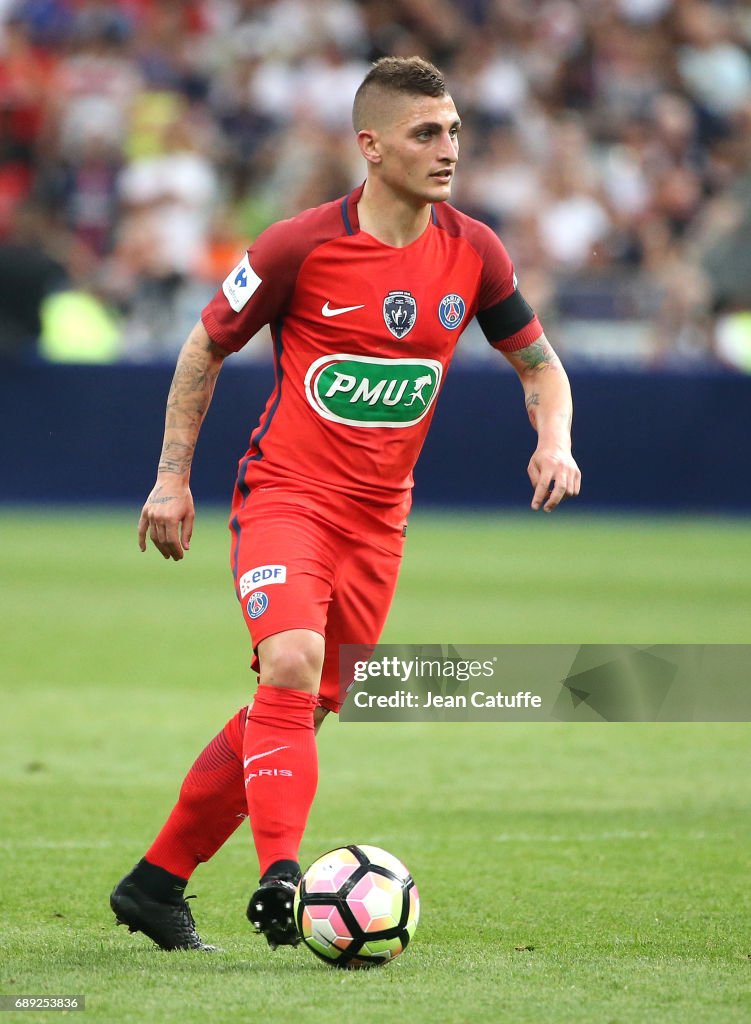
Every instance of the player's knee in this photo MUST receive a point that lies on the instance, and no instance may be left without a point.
(296, 664)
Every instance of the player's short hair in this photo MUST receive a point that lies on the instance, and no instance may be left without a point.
(410, 76)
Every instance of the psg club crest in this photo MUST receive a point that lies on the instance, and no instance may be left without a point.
(399, 313)
(258, 602)
(451, 310)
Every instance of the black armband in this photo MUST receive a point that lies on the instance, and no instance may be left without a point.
(506, 317)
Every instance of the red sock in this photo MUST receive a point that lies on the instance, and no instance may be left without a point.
(210, 807)
(281, 770)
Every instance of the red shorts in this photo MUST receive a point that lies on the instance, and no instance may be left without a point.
(294, 570)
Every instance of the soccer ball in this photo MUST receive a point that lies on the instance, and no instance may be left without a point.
(357, 907)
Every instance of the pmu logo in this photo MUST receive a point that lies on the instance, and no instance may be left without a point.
(364, 391)
(451, 310)
(257, 604)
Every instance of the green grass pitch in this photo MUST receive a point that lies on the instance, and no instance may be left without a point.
(596, 874)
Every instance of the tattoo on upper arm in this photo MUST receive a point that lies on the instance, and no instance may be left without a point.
(538, 354)
(532, 399)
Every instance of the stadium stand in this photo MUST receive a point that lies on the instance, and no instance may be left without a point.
(607, 141)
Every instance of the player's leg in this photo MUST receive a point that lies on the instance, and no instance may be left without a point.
(365, 583)
(210, 806)
(357, 614)
(279, 751)
(285, 568)
(281, 772)
(212, 800)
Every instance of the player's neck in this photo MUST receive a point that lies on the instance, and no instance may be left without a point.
(389, 218)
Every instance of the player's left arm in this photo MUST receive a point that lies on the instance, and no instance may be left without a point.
(547, 395)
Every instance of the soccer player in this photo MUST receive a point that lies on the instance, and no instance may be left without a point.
(367, 297)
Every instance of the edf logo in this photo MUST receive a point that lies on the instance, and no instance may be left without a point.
(262, 575)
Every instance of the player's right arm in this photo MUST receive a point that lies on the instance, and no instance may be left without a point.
(256, 291)
(167, 517)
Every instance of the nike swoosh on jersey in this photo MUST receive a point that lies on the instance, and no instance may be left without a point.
(265, 753)
(328, 311)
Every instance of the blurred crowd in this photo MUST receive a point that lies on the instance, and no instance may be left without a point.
(145, 143)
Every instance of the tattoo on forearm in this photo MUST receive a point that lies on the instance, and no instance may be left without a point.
(547, 396)
(189, 398)
(190, 394)
(176, 457)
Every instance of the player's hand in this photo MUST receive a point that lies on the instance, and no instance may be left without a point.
(167, 517)
(555, 476)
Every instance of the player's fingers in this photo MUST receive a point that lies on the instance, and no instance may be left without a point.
(573, 483)
(157, 533)
(187, 530)
(567, 485)
(171, 541)
(154, 537)
(542, 490)
(143, 526)
(559, 493)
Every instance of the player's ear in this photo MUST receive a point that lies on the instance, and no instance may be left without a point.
(368, 141)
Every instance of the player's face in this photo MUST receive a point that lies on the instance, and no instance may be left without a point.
(419, 147)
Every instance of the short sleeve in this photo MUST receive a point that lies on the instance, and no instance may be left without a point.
(257, 291)
(506, 318)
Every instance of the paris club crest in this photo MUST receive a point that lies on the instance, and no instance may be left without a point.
(399, 313)
(451, 311)
(258, 602)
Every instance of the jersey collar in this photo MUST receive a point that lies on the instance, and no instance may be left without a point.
(349, 211)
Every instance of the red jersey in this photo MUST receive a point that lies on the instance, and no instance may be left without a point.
(363, 335)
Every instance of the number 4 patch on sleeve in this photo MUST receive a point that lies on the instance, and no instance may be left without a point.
(240, 284)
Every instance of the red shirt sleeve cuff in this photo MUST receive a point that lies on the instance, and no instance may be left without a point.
(521, 339)
(217, 333)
